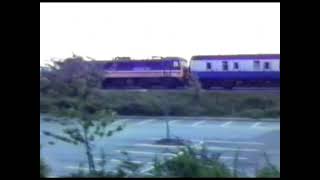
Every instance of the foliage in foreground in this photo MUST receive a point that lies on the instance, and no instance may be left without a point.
(44, 168)
(269, 171)
(81, 102)
(190, 162)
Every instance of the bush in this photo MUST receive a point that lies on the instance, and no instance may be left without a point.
(44, 169)
(273, 112)
(257, 102)
(268, 172)
(191, 163)
(252, 113)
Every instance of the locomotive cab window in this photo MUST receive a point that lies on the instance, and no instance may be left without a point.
(267, 65)
(208, 66)
(225, 66)
(175, 64)
(256, 65)
(236, 65)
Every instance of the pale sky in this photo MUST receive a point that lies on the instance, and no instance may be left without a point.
(141, 30)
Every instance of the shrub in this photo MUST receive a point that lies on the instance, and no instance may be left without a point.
(252, 113)
(191, 163)
(268, 172)
(44, 169)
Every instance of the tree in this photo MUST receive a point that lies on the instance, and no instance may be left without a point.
(65, 76)
(89, 127)
(79, 99)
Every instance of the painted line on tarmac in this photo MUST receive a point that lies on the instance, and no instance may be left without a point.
(232, 142)
(81, 168)
(122, 120)
(145, 122)
(219, 141)
(146, 153)
(268, 128)
(173, 122)
(208, 147)
(226, 124)
(147, 169)
(256, 125)
(138, 162)
(77, 168)
(197, 123)
(218, 148)
(158, 145)
(231, 157)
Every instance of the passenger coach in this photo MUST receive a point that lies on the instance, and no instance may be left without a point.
(229, 71)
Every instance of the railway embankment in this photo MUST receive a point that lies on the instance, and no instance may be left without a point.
(182, 103)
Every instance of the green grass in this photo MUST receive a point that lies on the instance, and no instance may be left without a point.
(182, 103)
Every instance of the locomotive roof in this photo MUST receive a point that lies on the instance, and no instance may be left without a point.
(240, 56)
(146, 60)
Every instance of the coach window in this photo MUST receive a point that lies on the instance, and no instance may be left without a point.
(225, 66)
(266, 65)
(208, 66)
(236, 65)
(256, 65)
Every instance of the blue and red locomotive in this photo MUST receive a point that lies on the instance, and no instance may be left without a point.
(226, 71)
(169, 72)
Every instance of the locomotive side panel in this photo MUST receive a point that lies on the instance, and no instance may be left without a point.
(145, 73)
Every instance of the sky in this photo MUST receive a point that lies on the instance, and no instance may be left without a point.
(140, 30)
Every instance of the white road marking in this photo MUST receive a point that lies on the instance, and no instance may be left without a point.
(172, 122)
(226, 124)
(231, 149)
(122, 121)
(231, 157)
(217, 141)
(232, 142)
(158, 145)
(146, 153)
(197, 123)
(255, 125)
(147, 169)
(268, 128)
(138, 162)
(209, 147)
(77, 167)
(145, 121)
